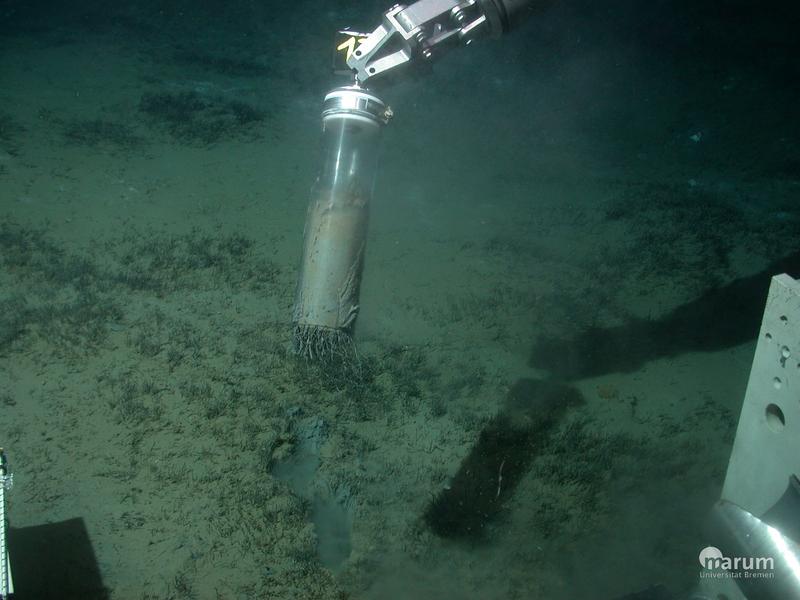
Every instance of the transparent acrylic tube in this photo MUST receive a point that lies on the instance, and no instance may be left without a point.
(326, 300)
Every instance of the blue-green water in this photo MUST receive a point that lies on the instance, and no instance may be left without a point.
(571, 239)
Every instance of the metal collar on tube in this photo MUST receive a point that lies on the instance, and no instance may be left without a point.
(356, 101)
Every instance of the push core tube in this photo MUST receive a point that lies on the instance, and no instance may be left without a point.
(326, 300)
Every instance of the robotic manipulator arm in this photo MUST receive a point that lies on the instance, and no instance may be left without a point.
(422, 31)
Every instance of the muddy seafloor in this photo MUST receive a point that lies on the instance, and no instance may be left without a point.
(570, 244)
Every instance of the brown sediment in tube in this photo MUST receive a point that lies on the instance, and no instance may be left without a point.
(326, 302)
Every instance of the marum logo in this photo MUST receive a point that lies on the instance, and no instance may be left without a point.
(712, 559)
